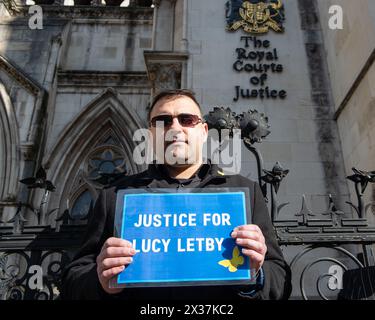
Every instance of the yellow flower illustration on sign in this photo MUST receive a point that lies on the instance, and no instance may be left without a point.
(232, 264)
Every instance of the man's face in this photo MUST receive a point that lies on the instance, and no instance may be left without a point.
(177, 143)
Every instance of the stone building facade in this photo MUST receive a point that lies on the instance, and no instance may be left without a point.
(350, 55)
(74, 92)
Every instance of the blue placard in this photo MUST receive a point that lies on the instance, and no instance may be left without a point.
(183, 238)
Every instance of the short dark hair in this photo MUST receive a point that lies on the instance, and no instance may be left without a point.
(175, 93)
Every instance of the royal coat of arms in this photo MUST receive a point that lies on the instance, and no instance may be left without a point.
(255, 16)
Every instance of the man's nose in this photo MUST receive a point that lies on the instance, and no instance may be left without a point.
(175, 125)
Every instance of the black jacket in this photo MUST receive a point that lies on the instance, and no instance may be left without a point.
(80, 280)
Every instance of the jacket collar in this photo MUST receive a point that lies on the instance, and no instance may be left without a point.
(157, 174)
(158, 171)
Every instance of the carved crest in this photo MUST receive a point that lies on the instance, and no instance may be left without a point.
(255, 16)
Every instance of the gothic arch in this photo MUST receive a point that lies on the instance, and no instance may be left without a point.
(105, 117)
(9, 142)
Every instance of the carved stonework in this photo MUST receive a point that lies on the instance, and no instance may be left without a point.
(12, 7)
(165, 76)
(143, 15)
(106, 79)
(28, 152)
(18, 75)
(164, 69)
(57, 39)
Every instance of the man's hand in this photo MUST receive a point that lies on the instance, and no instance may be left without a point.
(114, 256)
(251, 238)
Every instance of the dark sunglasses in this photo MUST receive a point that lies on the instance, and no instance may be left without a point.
(185, 119)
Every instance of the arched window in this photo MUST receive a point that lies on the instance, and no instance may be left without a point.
(107, 157)
(92, 151)
(108, 160)
(81, 205)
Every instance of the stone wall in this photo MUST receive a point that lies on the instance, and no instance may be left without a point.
(83, 59)
(304, 135)
(350, 54)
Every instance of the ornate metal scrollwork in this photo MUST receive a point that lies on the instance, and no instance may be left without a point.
(361, 180)
(274, 178)
(13, 275)
(31, 275)
(254, 128)
(334, 282)
(333, 230)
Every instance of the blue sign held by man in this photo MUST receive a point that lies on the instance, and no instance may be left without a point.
(183, 238)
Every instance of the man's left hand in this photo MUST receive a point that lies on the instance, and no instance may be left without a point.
(253, 244)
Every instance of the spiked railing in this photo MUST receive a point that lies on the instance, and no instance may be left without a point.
(314, 234)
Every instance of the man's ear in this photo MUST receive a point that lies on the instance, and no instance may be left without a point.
(205, 132)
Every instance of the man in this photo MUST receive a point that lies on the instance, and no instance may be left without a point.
(103, 256)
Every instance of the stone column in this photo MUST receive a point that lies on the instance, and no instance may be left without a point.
(163, 29)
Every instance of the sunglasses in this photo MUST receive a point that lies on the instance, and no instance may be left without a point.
(185, 120)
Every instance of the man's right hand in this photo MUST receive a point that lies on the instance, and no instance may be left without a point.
(115, 255)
